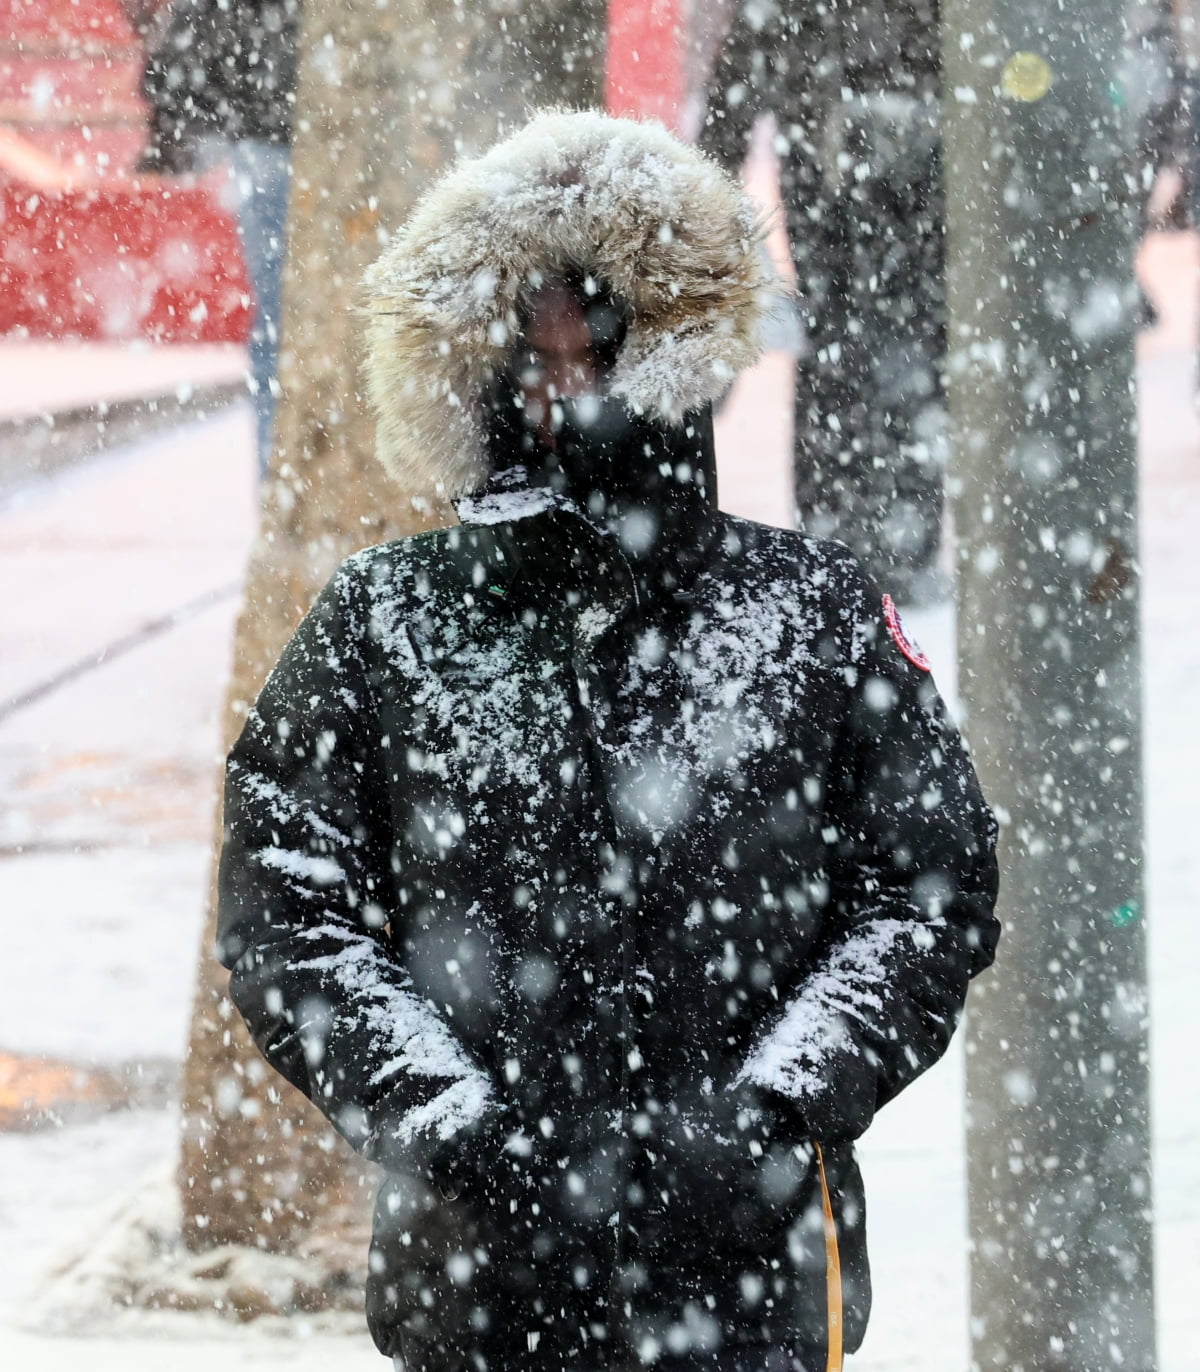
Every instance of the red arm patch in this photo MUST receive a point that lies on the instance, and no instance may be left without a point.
(900, 638)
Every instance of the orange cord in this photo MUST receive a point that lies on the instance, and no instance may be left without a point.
(833, 1272)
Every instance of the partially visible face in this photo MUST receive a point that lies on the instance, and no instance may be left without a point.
(556, 358)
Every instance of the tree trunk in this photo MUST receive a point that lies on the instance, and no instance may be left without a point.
(387, 96)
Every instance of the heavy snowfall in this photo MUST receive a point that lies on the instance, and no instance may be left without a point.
(605, 775)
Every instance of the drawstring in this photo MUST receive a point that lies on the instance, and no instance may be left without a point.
(833, 1272)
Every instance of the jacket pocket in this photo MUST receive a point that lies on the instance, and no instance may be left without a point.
(695, 1213)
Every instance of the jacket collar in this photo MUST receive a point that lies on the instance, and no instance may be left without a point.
(509, 497)
(520, 516)
(523, 516)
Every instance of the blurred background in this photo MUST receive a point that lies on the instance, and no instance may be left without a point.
(177, 369)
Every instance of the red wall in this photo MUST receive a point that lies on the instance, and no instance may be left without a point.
(67, 66)
(115, 257)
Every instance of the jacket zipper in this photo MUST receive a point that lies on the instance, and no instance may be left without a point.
(608, 963)
(619, 960)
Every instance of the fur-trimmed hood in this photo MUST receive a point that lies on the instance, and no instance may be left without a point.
(654, 220)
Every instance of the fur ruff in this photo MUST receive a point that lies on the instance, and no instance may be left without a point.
(659, 223)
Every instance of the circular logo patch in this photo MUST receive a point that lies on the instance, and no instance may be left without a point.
(900, 638)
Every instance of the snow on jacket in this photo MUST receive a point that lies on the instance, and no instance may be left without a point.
(585, 912)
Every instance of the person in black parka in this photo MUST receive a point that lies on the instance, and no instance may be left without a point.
(593, 863)
(855, 89)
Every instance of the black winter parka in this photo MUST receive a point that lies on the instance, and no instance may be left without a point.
(493, 846)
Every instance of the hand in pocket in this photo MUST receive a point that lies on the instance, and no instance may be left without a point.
(725, 1170)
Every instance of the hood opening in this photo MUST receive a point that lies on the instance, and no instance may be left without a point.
(619, 203)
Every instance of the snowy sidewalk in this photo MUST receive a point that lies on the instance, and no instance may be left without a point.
(108, 785)
(63, 403)
(109, 782)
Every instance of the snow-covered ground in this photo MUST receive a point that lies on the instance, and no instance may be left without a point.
(108, 784)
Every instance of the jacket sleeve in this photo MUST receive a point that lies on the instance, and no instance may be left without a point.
(911, 877)
(305, 893)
